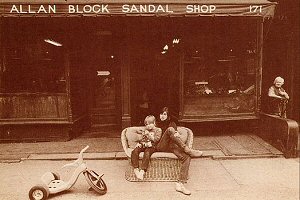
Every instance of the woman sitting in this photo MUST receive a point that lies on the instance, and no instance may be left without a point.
(279, 98)
(171, 142)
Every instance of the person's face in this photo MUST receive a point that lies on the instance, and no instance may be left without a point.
(150, 126)
(279, 83)
(163, 116)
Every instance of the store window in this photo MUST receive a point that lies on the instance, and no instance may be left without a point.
(202, 66)
(219, 67)
(33, 57)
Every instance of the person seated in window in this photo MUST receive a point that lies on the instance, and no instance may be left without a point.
(278, 98)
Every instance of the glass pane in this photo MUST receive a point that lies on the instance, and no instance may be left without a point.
(219, 67)
(34, 59)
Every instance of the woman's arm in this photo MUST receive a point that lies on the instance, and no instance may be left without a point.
(173, 124)
(283, 93)
(272, 93)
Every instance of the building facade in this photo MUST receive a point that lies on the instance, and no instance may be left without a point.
(66, 66)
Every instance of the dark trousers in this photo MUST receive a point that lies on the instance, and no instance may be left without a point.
(146, 158)
(170, 143)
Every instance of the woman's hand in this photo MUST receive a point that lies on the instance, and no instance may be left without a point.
(282, 93)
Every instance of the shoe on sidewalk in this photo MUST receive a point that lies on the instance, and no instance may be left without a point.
(142, 172)
(180, 188)
(139, 174)
(193, 152)
(136, 172)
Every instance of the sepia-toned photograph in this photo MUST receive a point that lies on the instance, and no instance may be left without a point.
(149, 99)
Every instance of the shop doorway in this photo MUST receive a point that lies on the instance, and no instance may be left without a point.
(154, 71)
(105, 85)
(95, 72)
(104, 105)
(155, 87)
(166, 79)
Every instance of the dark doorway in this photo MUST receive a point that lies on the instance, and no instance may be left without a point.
(99, 71)
(105, 84)
(154, 71)
(166, 79)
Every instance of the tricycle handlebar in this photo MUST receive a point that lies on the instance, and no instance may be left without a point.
(83, 150)
(79, 159)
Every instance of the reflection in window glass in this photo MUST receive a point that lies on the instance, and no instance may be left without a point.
(213, 61)
(219, 65)
(33, 59)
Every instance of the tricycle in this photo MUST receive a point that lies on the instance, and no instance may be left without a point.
(52, 184)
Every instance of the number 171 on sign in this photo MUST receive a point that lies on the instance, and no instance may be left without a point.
(255, 9)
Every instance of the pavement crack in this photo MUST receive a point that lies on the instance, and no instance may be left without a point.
(235, 180)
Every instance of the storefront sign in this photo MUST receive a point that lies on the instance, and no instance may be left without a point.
(137, 9)
(104, 8)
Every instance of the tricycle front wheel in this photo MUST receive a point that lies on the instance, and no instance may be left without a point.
(38, 192)
(96, 182)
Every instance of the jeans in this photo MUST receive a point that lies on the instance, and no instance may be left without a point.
(171, 143)
(168, 140)
(185, 161)
(148, 151)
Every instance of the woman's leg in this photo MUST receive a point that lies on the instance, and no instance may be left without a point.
(184, 171)
(168, 135)
(185, 160)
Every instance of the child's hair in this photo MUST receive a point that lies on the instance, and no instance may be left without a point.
(149, 119)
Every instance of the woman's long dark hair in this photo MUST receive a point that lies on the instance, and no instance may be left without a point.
(166, 109)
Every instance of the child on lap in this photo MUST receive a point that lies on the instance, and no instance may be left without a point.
(150, 136)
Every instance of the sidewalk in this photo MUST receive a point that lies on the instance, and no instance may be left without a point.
(222, 174)
(241, 179)
(216, 147)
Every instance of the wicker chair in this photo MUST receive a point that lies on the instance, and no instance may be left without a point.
(130, 137)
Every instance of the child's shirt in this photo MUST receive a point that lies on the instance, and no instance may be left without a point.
(150, 137)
